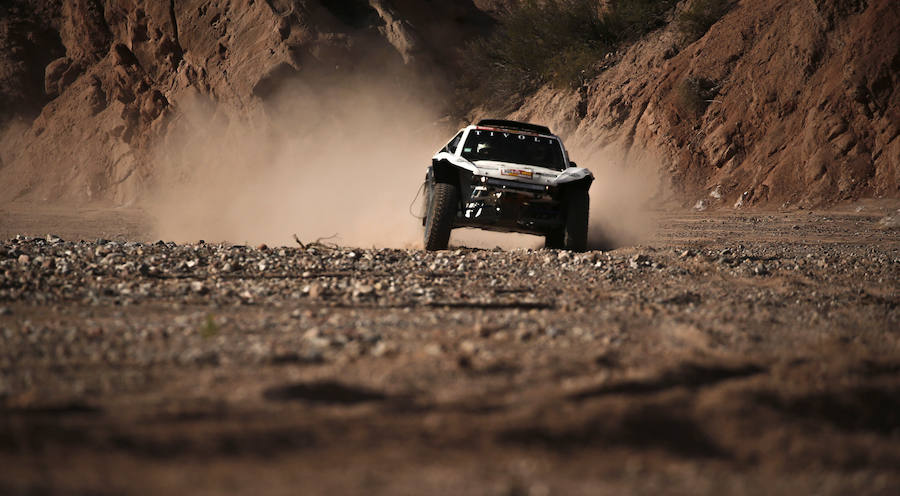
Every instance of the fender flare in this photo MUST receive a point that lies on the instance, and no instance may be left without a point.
(444, 171)
(583, 183)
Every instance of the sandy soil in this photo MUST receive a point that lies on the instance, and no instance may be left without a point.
(738, 353)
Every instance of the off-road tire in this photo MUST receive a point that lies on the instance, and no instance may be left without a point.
(556, 239)
(573, 235)
(440, 215)
(578, 205)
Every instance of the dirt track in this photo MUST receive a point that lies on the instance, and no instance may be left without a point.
(732, 353)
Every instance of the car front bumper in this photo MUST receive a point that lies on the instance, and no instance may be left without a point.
(509, 206)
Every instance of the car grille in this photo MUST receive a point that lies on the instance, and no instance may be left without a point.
(501, 183)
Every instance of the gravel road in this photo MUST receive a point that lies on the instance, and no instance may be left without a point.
(730, 353)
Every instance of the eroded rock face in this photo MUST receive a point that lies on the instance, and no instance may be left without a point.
(28, 42)
(776, 103)
(798, 104)
(123, 73)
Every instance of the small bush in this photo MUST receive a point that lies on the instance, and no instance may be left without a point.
(562, 42)
(699, 16)
(694, 94)
(209, 328)
(632, 19)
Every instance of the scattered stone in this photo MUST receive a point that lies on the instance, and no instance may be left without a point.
(524, 334)
(638, 261)
(760, 269)
(314, 291)
(554, 332)
(745, 196)
(890, 221)
(362, 290)
(468, 347)
(382, 348)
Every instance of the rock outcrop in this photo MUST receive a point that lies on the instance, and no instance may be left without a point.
(777, 103)
(92, 87)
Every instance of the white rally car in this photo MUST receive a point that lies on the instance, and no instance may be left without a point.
(511, 177)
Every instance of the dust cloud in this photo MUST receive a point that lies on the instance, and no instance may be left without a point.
(627, 188)
(324, 161)
(342, 163)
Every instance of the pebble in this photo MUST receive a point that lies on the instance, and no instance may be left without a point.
(524, 334)
(381, 349)
(639, 260)
(363, 290)
(890, 221)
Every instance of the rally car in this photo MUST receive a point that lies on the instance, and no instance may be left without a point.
(507, 176)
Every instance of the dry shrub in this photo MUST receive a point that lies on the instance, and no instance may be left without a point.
(694, 94)
(554, 41)
(694, 21)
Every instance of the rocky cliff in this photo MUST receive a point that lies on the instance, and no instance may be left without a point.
(777, 103)
(92, 89)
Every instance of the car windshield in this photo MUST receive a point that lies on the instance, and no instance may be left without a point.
(505, 146)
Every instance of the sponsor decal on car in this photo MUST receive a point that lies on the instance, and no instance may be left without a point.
(520, 135)
(518, 173)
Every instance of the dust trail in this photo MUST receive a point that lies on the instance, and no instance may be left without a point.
(624, 192)
(11, 132)
(316, 160)
(341, 161)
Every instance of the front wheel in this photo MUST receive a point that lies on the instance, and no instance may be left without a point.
(440, 215)
(573, 234)
(556, 239)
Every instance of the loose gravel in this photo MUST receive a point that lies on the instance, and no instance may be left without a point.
(726, 345)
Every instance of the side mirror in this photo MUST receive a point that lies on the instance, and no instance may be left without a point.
(572, 164)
